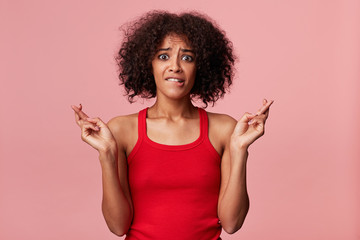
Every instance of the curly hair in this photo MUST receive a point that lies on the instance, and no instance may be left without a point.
(213, 53)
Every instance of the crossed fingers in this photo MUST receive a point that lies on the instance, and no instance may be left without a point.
(80, 116)
(262, 114)
(265, 108)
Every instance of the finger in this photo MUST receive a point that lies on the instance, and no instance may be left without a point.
(79, 111)
(268, 108)
(258, 121)
(87, 130)
(265, 107)
(83, 122)
(77, 117)
(267, 113)
(259, 126)
(88, 125)
(260, 109)
(261, 117)
(97, 121)
(245, 119)
(257, 118)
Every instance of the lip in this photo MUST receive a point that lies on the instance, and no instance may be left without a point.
(179, 83)
(180, 80)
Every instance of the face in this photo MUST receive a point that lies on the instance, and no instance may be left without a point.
(174, 68)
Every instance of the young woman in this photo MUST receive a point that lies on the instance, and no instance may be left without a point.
(173, 170)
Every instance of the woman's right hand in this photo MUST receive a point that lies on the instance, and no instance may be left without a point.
(94, 131)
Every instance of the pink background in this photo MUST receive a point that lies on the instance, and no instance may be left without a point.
(303, 175)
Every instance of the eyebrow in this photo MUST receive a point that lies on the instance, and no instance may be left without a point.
(182, 50)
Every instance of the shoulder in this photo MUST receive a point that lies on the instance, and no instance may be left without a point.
(222, 122)
(122, 123)
(221, 126)
(124, 129)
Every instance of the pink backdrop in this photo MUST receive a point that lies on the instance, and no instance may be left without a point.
(303, 176)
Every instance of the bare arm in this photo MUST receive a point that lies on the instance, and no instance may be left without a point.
(116, 203)
(233, 202)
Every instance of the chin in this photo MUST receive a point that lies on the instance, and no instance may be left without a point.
(177, 95)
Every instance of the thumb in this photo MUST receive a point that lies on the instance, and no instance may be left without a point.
(97, 121)
(246, 117)
(243, 122)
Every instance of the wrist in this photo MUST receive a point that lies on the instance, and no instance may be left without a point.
(239, 144)
(108, 154)
(238, 148)
(239, 154)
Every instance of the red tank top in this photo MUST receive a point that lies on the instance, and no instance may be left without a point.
(174, 188)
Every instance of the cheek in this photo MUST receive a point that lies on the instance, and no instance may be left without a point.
(157, 72)
(154, 70)
(192, 72)
(157, 68)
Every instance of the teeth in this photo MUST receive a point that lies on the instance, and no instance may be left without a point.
(174, 80)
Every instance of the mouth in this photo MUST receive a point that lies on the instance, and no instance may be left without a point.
(174, 80)
(177, 81)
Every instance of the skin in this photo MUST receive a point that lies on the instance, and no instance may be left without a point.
(173, 120)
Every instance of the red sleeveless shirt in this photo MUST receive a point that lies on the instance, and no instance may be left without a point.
(174, 188)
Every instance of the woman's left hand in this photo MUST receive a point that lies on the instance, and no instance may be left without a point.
(250, 127)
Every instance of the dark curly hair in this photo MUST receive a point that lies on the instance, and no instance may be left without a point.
(213, 53)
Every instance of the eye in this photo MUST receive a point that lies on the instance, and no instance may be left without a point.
(163, 56)
(187, 58)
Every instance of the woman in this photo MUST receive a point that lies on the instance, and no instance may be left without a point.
(174, 171)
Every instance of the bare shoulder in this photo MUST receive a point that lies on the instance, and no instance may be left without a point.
(124, 129)
(221, 126)
(221, 122)
(122, 123)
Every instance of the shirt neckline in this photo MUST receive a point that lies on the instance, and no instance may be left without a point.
(176, 147)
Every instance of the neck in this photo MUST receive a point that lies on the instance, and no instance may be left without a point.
(172, 108)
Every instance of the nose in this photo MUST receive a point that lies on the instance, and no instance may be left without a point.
(175, 65)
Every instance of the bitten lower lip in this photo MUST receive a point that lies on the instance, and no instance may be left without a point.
(174, 80)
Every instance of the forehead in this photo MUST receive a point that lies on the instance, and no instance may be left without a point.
(175, 39)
